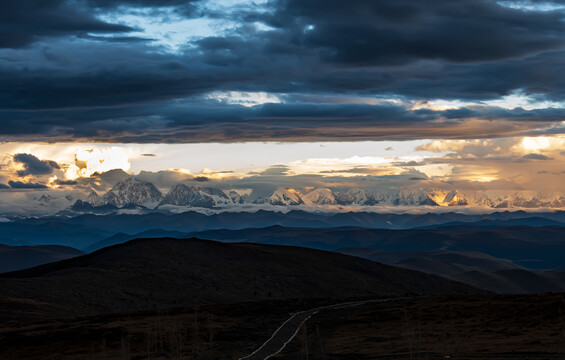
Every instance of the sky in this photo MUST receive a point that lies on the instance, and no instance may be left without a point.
(260, 94)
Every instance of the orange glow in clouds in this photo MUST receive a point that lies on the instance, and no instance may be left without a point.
(88, 162)
(535, 143)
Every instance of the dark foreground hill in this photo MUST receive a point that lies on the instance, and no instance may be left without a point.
(473, 327)
(14, 258)
(147, 274)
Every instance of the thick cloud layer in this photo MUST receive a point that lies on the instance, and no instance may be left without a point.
(367, 33)
(23, 22)
(78, 71)
(216, 122)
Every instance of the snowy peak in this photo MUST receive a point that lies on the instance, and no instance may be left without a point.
(236, 197)
(320, 196)
(356, 197)
(179, 194)
(411, 198)
(184, 195)
(283, 197)
(434, 197)
(362, 197)
(132, 191)
(454, 198)
(94, 200)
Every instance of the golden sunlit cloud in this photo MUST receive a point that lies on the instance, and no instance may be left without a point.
(88, 162)
(481, 178)
(454, 145)
(51, 182)
(435, 170)
(219, 175)
(347, 166)
(549, 145)
(535, 143)
(181, 171)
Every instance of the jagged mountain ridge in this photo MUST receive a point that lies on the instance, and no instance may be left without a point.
(131, 192)
(320, 196)
(183, 195)
(283, 197)
(425, 197)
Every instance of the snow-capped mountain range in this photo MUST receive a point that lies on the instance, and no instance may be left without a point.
(132, 193)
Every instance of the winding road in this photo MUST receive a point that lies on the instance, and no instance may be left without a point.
(288, 330)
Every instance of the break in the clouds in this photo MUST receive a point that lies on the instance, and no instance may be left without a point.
(286, 70)
(487, 172)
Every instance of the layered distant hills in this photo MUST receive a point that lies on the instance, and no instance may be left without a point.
(84, 230)
(502, 252)
(132, 193)
(514, 259)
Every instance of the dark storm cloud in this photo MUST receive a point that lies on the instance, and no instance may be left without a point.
(473, 49)
(366, 33)
(22, 185)
(538, 75)
(140, 3)
(208, 120)
(122, 88)
(33, 166)
(178, 121)
(187, 8)
(24, 21)
(115, 39)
